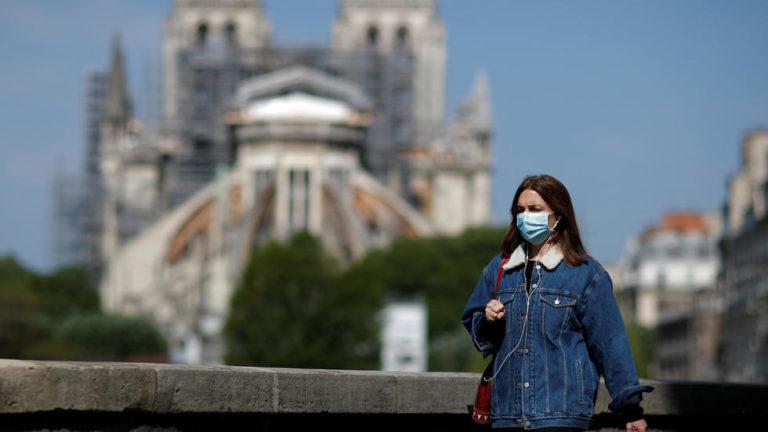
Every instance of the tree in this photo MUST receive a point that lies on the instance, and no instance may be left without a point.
(642, 341)
(22, 321)
(290, 310)
(56, 317)
(442, 269)
(107, 337)
(66, 291)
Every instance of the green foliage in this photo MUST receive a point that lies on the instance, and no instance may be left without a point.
(292, 310)
(453, 351)
(444, 270)
(21, 317)
(56, 317)
(66, 291)
(21, 321)
(642, 341)
(12, 273)
(106, 337)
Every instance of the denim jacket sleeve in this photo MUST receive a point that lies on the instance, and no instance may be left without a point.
(608, 344)
(484, 334)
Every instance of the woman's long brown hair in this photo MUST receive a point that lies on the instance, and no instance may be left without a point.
(566, 233)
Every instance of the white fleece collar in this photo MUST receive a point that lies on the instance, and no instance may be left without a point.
(550, 260)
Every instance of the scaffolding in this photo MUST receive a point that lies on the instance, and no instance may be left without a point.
(209, 77)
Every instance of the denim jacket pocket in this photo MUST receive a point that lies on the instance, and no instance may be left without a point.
(507, 297)
(556, 309)
(558, 300)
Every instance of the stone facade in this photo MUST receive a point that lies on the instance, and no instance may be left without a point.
(744, 276)
(668, 283)
(259, 142)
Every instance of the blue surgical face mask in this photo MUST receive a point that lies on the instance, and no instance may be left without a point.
(534, 226)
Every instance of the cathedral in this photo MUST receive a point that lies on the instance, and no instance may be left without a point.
(259, 141)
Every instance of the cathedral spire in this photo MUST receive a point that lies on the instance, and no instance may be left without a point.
(118, 106)
(477, 108)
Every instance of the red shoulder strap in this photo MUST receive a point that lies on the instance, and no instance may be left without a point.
(498, 276)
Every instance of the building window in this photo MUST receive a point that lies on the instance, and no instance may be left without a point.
(401, 39)
(263, 178)
(306, 191)
(230, 31)
(298, 199)
(372, 37)
(675, 250)
(202, 34)
(291, 198)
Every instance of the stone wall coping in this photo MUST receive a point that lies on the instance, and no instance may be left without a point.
(33, 386)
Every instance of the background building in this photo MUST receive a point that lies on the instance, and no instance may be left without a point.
(260, 141)
(744, 275)
(668, 276)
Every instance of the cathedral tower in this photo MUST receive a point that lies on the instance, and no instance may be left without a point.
(206, 48)
(402, 25)
(222, 26)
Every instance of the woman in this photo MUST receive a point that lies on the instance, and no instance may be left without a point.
(555, 326)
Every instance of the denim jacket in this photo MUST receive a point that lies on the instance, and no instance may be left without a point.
(575, 333)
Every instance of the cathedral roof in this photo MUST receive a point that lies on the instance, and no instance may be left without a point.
(299, 105)
(300, 78)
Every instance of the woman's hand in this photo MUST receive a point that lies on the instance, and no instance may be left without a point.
(494, 310)
(637, 426)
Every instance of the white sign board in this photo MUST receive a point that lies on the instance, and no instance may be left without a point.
(404, 337)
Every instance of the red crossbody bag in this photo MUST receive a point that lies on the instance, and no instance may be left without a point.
(481, 410)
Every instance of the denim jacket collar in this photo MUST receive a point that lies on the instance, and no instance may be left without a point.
(550, 260)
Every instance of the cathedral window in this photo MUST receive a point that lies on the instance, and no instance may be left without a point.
(401, 41)
(298, 199)
(230, 31)
(372, 36)
(202, 34)
(263, 179)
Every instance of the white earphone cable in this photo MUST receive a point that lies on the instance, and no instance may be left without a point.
(527, 309)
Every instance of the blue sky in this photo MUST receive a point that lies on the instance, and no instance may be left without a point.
(637, 107)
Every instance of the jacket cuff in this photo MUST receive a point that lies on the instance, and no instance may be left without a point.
(483, 333)
(632, 413)
(477, 333)
(629, 395)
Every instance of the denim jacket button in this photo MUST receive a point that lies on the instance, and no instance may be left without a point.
(526, 384)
